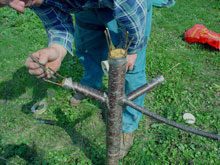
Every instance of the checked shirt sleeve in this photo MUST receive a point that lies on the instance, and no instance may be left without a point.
(131, 16)
(58, 24)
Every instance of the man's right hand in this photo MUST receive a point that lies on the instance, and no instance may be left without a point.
(50, 57)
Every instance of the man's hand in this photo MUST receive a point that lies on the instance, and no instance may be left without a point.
(50, 57)
(20, 5)
(131, 61)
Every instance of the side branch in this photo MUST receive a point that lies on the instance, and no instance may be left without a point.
(171, 123)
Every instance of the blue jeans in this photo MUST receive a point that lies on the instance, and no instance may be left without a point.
(91, 49)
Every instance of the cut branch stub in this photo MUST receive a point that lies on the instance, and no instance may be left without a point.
(117, 53)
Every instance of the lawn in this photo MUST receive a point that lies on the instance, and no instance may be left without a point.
(77, 135)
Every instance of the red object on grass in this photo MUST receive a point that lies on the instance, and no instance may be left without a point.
(200, 34)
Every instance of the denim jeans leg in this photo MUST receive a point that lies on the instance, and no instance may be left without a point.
(91, 49)
(133, 80)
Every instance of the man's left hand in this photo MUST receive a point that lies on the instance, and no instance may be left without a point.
(20, 5)
(131, 61)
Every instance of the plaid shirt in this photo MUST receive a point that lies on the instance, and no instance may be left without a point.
(56, 17)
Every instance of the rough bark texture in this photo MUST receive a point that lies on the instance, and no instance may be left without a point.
(87, 91)
(114, 115)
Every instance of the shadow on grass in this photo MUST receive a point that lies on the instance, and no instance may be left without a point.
(28, 153)
(90, 149)
(22, 80)
(18, 85)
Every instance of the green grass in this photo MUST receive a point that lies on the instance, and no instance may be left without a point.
(77, 135)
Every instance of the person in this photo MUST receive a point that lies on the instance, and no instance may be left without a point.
(91, 19)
